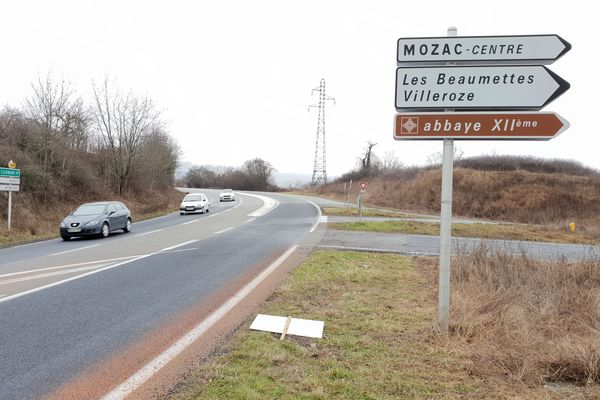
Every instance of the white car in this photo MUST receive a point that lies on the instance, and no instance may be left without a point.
(227, 195)
(194, 202)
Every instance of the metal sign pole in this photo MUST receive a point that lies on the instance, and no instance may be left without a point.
(9, 209)
(446, 227)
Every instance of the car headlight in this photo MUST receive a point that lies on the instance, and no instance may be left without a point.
(94, 222)
(62, 224)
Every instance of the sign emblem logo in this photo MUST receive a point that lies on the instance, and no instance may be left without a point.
(409, 125)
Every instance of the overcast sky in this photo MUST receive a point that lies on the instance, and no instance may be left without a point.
(234, 78)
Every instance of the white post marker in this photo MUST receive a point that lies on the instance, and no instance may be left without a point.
(446, 227)
(9, 209)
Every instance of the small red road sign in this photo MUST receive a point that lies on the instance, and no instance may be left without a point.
(363, 186)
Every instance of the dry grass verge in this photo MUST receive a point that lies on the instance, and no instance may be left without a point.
(527, 322)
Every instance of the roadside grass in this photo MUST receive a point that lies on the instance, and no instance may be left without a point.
(488, 231)
(520, 329)
(377, 310)
(528, 323)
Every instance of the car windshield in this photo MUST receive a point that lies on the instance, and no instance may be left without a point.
(193, 197)
(90, 209)
(227, 191)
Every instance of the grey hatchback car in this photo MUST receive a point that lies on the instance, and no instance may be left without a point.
(96, 219)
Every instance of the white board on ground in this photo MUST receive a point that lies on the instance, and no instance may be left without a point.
(298, 326)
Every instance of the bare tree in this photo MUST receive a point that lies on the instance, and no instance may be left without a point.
(123, 121)
(367, 157)
(437, 158)
(259, 173)
(60, 116)
(390, 163)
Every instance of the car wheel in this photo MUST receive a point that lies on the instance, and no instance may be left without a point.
(207, 209)
(104, 231)
(181, 213)
(66, 238)
(127, 228)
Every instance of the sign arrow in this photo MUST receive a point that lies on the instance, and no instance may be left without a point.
(520, 49)
(479, 126)
(477, 87)
(10, 172)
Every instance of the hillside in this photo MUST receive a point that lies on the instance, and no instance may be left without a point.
(515, 189)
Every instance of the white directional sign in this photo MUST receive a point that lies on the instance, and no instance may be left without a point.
(477, 87)
(532, 49)
(9, 180)
(9, 188)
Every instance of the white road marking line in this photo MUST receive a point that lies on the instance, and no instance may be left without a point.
(32, 244)
(224, 230)
(66, 266)
(314, 227)
(269, 204)
(80, 248)
(2, 295)
(190, 222)
(148, 370)
(40, 288)
(177, 245)
(148, 233)
(38, 276)
(179, 251)
(250, 220)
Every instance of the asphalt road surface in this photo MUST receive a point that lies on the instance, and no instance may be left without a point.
(430, 245)
(67, 306)
(90, 307)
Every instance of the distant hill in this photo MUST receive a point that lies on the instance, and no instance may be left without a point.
(510, 188)
(287, 180)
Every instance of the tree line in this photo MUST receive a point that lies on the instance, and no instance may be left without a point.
(255, 174)
(66, 145)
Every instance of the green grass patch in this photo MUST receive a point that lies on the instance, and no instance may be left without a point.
(376, 309)
(488, 231)
(367, 212)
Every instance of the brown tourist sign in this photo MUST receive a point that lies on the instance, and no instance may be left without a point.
(479, 126)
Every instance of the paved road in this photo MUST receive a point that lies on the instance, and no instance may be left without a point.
(430, 245)
(67, 306)
(321, 202)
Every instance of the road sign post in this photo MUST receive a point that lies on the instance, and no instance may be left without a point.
(10, 179)
(9, 210)
(494, 74)
(446, 225)
(363, 189)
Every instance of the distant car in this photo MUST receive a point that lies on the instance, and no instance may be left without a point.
(227, 195)
(96, 219)
(194, 202)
